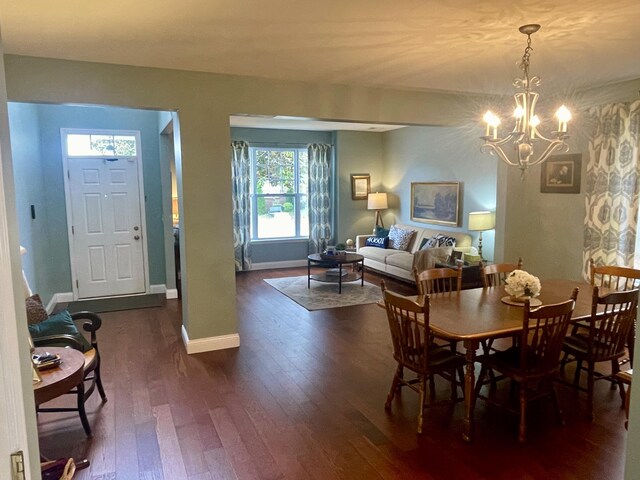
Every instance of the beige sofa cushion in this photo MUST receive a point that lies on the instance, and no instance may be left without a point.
(403, 260)
(379, 254)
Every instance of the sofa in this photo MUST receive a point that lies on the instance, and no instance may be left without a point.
(400, 263)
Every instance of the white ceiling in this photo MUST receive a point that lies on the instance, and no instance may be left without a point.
(453, 45)
(298, 123)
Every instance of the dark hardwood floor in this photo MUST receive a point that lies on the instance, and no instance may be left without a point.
(303, 398)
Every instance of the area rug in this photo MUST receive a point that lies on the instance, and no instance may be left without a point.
(325, 295)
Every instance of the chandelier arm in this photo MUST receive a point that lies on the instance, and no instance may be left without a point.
(491, 148)
(501, 141)
(555, 145)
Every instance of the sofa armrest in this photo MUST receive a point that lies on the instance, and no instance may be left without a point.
(361, 240)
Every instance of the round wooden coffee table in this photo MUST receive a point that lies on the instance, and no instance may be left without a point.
(335, 272)
(62, 379)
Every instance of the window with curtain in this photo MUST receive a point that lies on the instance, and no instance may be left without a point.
(279, 193)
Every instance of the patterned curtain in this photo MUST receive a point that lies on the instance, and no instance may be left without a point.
(319, 196)
(613, 175)
(241, 180)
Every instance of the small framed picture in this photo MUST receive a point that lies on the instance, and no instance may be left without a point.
(561, 174)
(455, 256)
(360, 186)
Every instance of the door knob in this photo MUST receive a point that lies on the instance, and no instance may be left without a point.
(136, 237)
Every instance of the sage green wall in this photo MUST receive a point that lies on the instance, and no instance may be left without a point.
(547, 229)
(39, 181)
(30, 190)
(440, 154)
(204, 102)
(357, 152)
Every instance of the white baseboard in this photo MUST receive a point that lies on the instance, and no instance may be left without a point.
(172, 293)
(62, 297)
(286, 264)
(209, 344)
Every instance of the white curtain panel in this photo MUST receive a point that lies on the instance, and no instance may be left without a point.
(320, 200)
(241, 182)
(613, 174)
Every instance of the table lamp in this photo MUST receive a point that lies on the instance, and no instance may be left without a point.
(377, 201)
(481, 222)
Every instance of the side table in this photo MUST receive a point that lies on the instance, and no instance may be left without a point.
(471, 275)
(62, 379)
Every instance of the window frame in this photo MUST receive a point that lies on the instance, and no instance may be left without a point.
(297, 195)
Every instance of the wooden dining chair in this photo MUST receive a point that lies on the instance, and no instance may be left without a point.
(534, 362)
(438, 280)
(617, 278)
(414, 351)
(495, 274)
(612, 318)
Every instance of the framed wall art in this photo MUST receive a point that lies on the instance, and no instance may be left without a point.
(561, 174)
(436, 202)
(360, 186)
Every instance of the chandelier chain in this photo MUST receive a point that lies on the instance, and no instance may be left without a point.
(524, 64)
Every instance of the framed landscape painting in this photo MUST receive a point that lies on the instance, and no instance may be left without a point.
(561, 174)
(436, 202)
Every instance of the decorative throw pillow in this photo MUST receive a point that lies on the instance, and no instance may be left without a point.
(36, 312)
(445, 240)
(438, 240)
(377, 242)
(381, 232)
(59, 324)
(400, 239)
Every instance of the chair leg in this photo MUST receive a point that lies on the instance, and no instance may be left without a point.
(423, 396)
(590, 381)
(615, 369)
(478, 386)
(563, 362)
(576, 375)
(96, 373)
(556, 403)
(81, 410)
(394, 386)
(522, 429)
(432, 389)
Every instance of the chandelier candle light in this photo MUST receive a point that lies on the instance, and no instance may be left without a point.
(525, 134)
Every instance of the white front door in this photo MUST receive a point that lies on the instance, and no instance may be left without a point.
(106, 226)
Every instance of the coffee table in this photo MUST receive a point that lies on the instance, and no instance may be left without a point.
(338, 263)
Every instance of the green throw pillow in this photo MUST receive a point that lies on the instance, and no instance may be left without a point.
(59, 324)
(381, 232)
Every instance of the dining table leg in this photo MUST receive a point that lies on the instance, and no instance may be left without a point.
(469, 386)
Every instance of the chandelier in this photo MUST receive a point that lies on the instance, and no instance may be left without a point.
(525, 137)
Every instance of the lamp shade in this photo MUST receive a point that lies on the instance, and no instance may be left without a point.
(481, 221)
(377, 201)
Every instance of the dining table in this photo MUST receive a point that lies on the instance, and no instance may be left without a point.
(480, 314)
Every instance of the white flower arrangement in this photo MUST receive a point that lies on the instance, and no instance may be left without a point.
(522, 284)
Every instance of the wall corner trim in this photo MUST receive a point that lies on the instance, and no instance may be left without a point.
(209, 344)
(171, 293)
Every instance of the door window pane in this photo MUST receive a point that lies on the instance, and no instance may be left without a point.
(98, 145)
